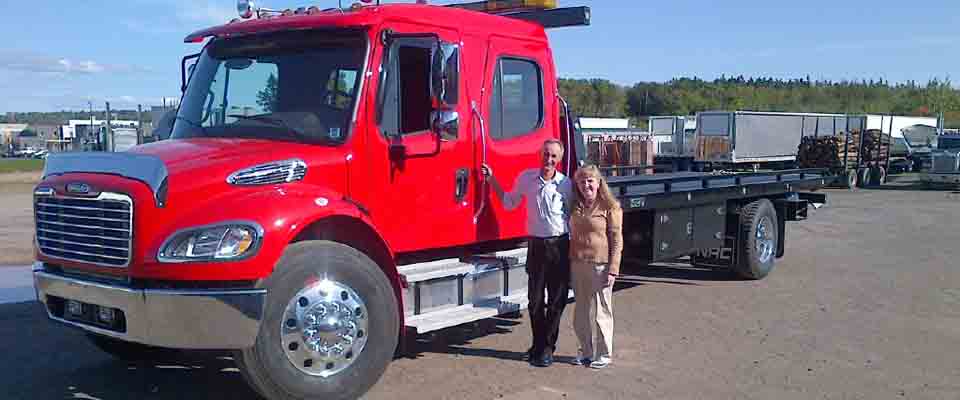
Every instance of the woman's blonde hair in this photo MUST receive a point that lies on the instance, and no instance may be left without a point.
(605, 197)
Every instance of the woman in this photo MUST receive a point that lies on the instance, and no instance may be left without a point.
(596, 241)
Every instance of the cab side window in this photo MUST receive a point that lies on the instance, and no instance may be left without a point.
(405, 90)
(516, 102)
(340, 87)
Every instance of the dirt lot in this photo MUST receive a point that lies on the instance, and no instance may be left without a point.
(866, 305)
(16, 220)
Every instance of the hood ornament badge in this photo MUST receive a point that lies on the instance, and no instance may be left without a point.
(78, 188)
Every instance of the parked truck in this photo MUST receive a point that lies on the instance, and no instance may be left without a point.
(945, 168)
(320, 195)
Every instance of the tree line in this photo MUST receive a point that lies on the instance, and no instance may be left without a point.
(62, 117)
(687, 96)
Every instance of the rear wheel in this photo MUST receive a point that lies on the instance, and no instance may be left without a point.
(331, 325)
(758, 244)
(863, 177)
(881, 175)
(851, 179)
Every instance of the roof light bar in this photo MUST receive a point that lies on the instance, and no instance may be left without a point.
(246, 8)
(497, 6)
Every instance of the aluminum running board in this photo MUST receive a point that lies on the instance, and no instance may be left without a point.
(445, 293)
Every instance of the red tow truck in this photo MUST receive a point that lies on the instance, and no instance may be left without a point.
(320, 194)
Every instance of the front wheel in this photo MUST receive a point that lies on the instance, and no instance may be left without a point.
(330, 327)
(758, 244)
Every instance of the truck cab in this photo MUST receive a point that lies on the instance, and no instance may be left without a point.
(314, 153)
(945, 169)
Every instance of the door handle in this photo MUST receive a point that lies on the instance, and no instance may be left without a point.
(462, 179)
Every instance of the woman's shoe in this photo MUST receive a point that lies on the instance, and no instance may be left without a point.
(581, 361)
(601, 363)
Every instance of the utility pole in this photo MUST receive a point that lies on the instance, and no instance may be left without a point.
(108, 131)
(90, 131)
(139, 125)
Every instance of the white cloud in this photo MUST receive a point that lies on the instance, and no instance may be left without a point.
(38, 63)
(206, 14)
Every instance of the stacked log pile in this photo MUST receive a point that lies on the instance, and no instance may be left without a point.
(832, 151)
(826, 152)
(876, 146)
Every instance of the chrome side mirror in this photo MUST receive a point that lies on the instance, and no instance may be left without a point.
(445, 123)
(445, 74)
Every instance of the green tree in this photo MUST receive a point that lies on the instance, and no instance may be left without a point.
(268, 97)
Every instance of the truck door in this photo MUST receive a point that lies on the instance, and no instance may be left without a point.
(520, 111)
(419, 179)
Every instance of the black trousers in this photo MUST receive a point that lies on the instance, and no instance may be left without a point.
(548, 268)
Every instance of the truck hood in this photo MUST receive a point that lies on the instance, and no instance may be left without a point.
(198, 167)
(192, 170)
(201, 157)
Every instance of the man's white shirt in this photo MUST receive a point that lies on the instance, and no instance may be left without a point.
(547, 200)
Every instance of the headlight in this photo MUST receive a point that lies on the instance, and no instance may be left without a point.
(227, 241)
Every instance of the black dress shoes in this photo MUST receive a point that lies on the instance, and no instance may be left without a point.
(543, 361)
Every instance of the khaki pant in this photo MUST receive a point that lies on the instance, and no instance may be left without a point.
(593, 314)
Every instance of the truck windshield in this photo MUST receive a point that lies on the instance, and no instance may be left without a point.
(294, 86)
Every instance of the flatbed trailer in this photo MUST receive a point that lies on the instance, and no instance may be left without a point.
(733, 221)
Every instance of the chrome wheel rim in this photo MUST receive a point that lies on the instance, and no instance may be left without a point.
(765, 239)
(324, 328)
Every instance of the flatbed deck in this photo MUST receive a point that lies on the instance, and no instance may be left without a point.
(687, 189)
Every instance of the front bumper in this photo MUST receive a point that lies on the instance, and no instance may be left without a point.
(932, 177)
(181, 319)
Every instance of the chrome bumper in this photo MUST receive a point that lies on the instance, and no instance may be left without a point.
(181, 319)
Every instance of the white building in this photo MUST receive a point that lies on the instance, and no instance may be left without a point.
(9, 133)
(86, 131)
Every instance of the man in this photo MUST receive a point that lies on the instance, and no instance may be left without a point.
(548, 193)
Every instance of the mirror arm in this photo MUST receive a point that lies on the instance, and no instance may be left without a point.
(183, 70)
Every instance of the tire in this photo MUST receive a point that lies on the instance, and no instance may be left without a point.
(863, 177)
(757, 257)
(306, 269)
(851, 179)
(130, 351)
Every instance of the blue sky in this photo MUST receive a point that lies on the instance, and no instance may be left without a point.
(60, 54)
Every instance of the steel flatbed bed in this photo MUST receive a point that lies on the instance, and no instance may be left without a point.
(690, 189)
(712, 216)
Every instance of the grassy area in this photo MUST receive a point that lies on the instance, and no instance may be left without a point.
(20, 165)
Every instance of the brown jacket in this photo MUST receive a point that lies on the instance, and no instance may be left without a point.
(596, 235)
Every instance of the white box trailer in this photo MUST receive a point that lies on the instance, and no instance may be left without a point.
(741, 138)
(673, 135)
(124, 139)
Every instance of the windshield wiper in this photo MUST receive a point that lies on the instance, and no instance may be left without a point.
(278, 122)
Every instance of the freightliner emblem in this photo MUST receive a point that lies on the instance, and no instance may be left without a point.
(78, 187)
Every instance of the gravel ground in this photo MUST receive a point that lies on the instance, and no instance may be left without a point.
(866, 305)
(16, 218)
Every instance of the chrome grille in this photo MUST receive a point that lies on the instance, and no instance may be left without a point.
(90, 230)
(270, 173)
(945, 162)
